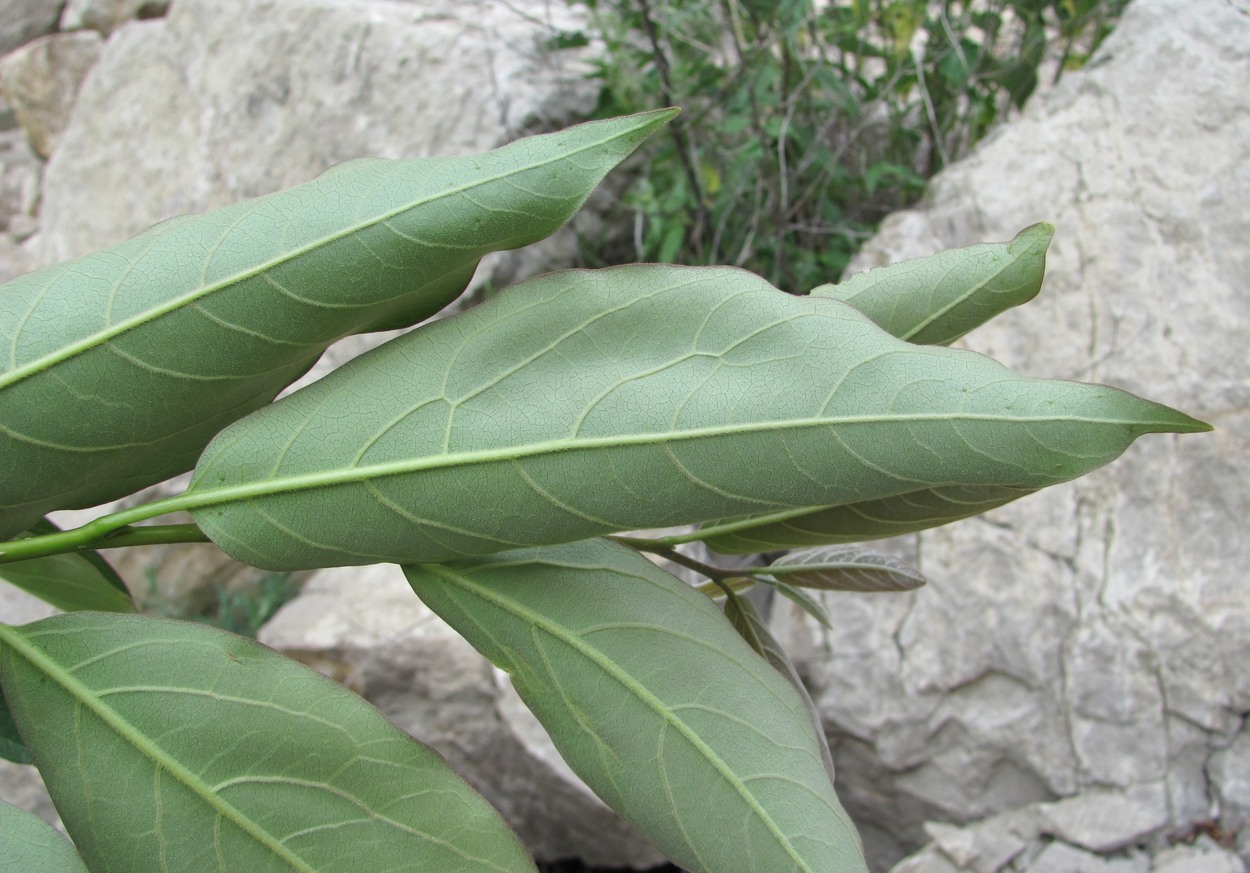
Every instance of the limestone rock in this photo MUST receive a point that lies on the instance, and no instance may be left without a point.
(366, 628)
(108, 15)
(929, 860)
(1062, 858)
(1103, 821)
(20, 175)
(1202, 857)
(1094, 636)
(14, 260)
(228, 99)
(41, 81)
(24, 20)
(984, 850)
(1229, 772)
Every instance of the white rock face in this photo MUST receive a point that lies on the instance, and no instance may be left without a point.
(41, 81)
(228, 99)
(21, 172)
(107, 15)
(24, 20)
(1094, 637)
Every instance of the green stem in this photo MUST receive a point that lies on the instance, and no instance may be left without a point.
(108, 532)
(726, 587)
(152, 535)
(658, 547)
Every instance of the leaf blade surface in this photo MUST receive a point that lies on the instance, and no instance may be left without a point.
(175, 746)
(859, 521)
(832, 568)
(752, 627)
(30, 845)
(71, 581)
(117, 368)
(937, 299)
(11, 746)
(589, 402)
(655, 701)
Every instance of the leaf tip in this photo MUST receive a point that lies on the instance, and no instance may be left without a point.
(1039, 235)
(1188, 424)
(665, 115)
(1161, 418)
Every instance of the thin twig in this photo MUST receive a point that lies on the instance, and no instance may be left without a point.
(677, 128)
(669, 553)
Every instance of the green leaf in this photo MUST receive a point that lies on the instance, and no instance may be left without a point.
(179, 747)
(74, 581)
(801, 599)
(856, 522)
(120, 366)
(938, 299)
(664, 411)
(656, 702)
(28, 844)
(751, 626)
(11, 746)
(588, 402)
(835, 568)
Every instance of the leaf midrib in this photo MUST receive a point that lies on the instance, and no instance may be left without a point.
(612, 669)
(99, 338)
(975, 290)
(195, 498)
(80, 692)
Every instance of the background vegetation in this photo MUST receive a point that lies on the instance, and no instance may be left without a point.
(807, 122)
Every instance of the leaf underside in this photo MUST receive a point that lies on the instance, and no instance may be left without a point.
(28, 844)
(178, 747)
(11, 746)
(937, 299)
(587, 402)
(933, 300)
(71, 581)
(656, 702)
(857, 522)
(253, 293)
(752, 627)
(846, 568)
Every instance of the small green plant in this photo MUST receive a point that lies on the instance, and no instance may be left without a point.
(808, 122)
(497, 455)
(241, 610)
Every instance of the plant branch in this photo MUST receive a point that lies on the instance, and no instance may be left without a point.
(98, 536)
(726, 587)
(657, 547)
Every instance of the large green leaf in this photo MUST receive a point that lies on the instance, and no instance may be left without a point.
(72, 581)
(933, 300)
(656, 702)
(938, 299)
(179, 747)
(28, 844)
(586, 402)
(752, 627)
(120, 366)
(856, 522)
